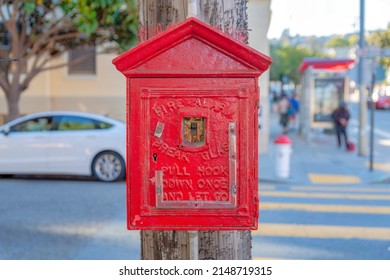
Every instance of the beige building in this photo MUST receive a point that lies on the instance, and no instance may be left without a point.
(259, 18)
(97, 87)
(100, 91)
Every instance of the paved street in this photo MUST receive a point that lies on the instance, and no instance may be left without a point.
(64, 219)
(323, 222)
(331, 206)
(381, 134)
(60, 219)
(381, 117)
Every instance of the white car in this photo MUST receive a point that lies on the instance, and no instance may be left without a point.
(66, 143)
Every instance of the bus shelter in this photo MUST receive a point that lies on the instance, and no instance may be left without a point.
(324, 85)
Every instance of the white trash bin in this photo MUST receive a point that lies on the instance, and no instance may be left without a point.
(283, 152)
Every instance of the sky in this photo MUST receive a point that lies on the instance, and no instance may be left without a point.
(326, 17)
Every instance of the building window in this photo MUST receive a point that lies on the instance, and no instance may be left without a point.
(82, 61)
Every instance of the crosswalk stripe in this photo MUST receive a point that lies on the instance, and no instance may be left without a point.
(325, 195)
(322, 231)
(326, 208)
(333, 179)
(340, 189)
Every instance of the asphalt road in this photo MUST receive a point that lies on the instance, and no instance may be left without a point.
(339, 222)
(381, 117)
(73, 219)
(64, 219)
(381, 134)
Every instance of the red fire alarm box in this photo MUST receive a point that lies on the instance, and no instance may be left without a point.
(192, 124)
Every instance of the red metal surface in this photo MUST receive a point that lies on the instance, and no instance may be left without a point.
(208, 52)
(329, 64)
(192, 100)
(282, 139)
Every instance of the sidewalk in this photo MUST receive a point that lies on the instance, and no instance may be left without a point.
(319, 161)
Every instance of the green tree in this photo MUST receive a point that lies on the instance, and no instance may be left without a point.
(338, 42)
(33, 32)
(353, 40)
(381, 39)
(287, 59)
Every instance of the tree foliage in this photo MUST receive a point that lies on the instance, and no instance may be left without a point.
(287, 59)
(382, 40)
(33, 32)
(338, 41)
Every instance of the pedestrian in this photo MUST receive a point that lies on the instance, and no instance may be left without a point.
(293, 110)
(283, 106)
(340, 118)
(275, 99)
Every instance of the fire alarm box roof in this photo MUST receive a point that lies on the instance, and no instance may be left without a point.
(192, 48)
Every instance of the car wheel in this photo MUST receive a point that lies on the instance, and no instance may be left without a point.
(108, 167)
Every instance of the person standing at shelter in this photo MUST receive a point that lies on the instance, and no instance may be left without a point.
(283, 106)
(340, 118)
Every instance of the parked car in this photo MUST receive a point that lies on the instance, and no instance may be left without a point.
(383, 102)
(66, 143)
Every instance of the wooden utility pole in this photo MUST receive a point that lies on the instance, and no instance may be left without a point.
(230, 17)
